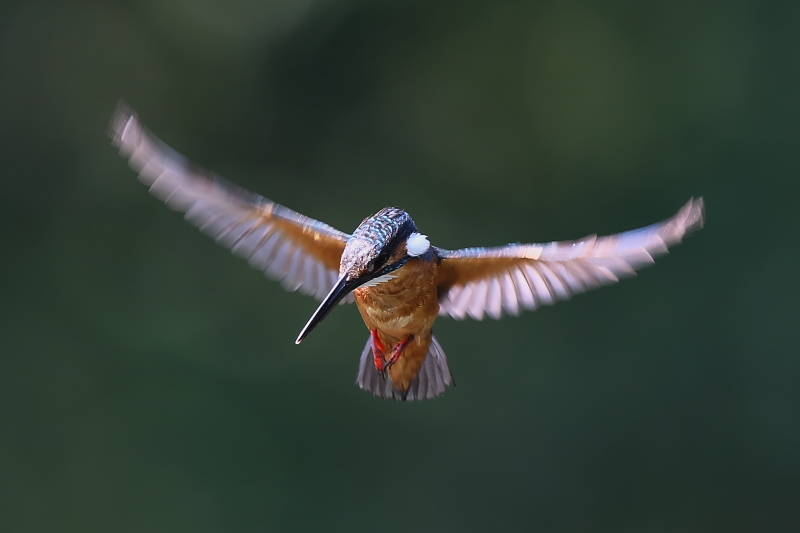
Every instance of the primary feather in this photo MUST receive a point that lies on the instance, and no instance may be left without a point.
(302, 252)
(478, 282)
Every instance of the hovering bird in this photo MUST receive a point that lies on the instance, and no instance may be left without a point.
(399, 281)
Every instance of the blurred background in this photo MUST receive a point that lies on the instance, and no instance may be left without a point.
(149, 379)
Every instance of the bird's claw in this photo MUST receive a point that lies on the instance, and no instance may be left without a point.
(384, 368)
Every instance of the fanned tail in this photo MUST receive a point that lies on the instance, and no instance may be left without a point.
(433, 378)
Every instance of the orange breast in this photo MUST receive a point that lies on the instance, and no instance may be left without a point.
(406, 305)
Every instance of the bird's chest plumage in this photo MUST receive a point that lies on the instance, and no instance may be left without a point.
(405, 305)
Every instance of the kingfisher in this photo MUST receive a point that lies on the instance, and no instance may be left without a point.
(398, 280)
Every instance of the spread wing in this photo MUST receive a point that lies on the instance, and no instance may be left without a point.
(302, 252)
(485, 281)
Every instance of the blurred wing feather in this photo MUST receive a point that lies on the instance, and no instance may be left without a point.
(302, 252)
(477, 282)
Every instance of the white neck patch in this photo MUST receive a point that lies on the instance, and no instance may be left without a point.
(417, 244)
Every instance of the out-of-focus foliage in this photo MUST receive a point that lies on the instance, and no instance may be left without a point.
(149, 380)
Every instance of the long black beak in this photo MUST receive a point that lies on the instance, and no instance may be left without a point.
(342, 288)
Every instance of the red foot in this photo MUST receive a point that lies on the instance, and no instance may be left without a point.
(397, 351)
(378, 353)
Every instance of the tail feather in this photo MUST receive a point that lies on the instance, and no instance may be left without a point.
(433, 378)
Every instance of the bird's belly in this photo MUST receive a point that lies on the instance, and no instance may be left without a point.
(397, 321)
(393, 321)
(404, 306)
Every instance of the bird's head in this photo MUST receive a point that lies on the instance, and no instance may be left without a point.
(381, 244)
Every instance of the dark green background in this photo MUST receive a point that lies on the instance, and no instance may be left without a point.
(148, 378)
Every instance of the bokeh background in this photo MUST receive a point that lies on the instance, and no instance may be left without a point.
(149, 380)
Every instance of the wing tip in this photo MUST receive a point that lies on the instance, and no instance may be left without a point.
(689, 219)
(693, 214)
(120, 119)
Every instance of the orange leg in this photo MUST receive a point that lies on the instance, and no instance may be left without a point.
(378, 353)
